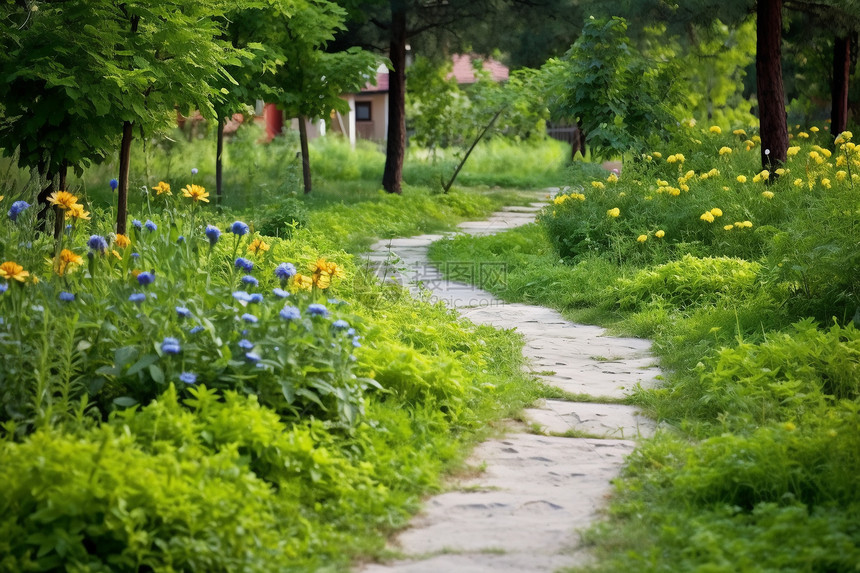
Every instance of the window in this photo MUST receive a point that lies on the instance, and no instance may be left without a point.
(362, 111)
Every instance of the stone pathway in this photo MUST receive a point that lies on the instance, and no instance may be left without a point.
(521, 513)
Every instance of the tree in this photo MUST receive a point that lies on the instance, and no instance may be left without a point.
(309, 81)
(92, 70)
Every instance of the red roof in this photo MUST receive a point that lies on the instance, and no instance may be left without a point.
(463, 71)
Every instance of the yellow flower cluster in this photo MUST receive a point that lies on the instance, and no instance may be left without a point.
(69, 203)
(597, 184)
(614, 212)
(68, 261)
(258, 246)
(676, 158)
(323, 272)
(11, 270)
(162, 188)
(739, 132)
(763, 176)
(725, 150)
(767, 194)
(715, 129)
(559, 199)
(122, 241)
(613, 178)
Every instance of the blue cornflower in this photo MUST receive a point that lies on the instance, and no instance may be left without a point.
(135, 255)
(249, 280)
(16, 209)
(196, 329)
(212, 233)
(150, 225)
(181, 310)
(285, 270)
(317, 310)
(97, 243)
(188, 377)
(242, 296)
(244, 264)
(350, 332)
(340, 324)
(280, 293)
(290, 313)
(67, 296)
(255, 298)
(239, 228)
(145, 278)
(137, 297)
(4, 286)
(136, 224)
(170, 345)
(194, 171)
(114, 184)
(246, 344)
(249, 318)
(180, 239)
(253, 356)
(355, 342)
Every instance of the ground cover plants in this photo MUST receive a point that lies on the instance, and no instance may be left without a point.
(196, 395)
(747, 282)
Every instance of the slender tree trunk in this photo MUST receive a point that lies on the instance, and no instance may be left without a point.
(769, 86)
(59, 214)
(839, 91)
(306, 158)
(396, 148)
(122, 189)
(42, 197)
(219, 164)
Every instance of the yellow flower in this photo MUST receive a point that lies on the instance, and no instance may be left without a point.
(803, 135)
(684, 187)
(792, 151)
(715, 129)
(742, 179)
(781, 171)
(597, 184)
(739, 132)
(323, 272)
(657, 154)
(12, 270)
(614, 212)
(765, 174)
(716, 212)
(76, 211)
(258, 245)
(826, 182)
(798, 182)
(767, 194)
(162, 188)
(122, 241)
(756, 178)
(841, 161)
(642, 238)
(707, 216)
(302, 282)
(116, 254)
(813, 129)
(560, 199)
(613, 178)
(714, 172)
(68, 260)
(195, 193)
(756, 139)
(578, 196)
(662, 183)
(789, 426)
(62, 199)
(725, 150)
(674, 192)
(743, 224)
(660, 234)
(728, 227)
(841, 175)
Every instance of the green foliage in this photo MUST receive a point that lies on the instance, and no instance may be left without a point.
(619, 99)
(686, 282)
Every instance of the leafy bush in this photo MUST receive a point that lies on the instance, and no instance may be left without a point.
(686, 282)
(283, 218)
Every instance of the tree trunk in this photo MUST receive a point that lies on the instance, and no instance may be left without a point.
(42, 197)
(769, 87)
(59, 214)
(839, 90)
(306, 158)
(396, 148)
(122, 189)
(219, 164)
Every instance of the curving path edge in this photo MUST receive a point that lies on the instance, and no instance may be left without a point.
(537, 487)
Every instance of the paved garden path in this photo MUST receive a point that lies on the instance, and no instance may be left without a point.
(535, 490)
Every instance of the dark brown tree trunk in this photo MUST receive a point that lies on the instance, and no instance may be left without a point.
(60, 214)
(42, 197)
(839, 91)
(396, 148)
(306, 158)
(122, 189)
(769, 86)
(219, 164)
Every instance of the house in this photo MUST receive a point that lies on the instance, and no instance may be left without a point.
(368, 109)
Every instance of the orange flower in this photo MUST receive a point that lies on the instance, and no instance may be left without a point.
(162, 188)
(12, 270)
(323, 272)
(62, 199)
(258, 245)
(76, 211)
(122, 241)
(68, 259)
(195, 193)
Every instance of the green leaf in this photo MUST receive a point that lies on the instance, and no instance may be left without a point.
(142, 363)
(124, 356)
(156, 373)
(125, 402)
